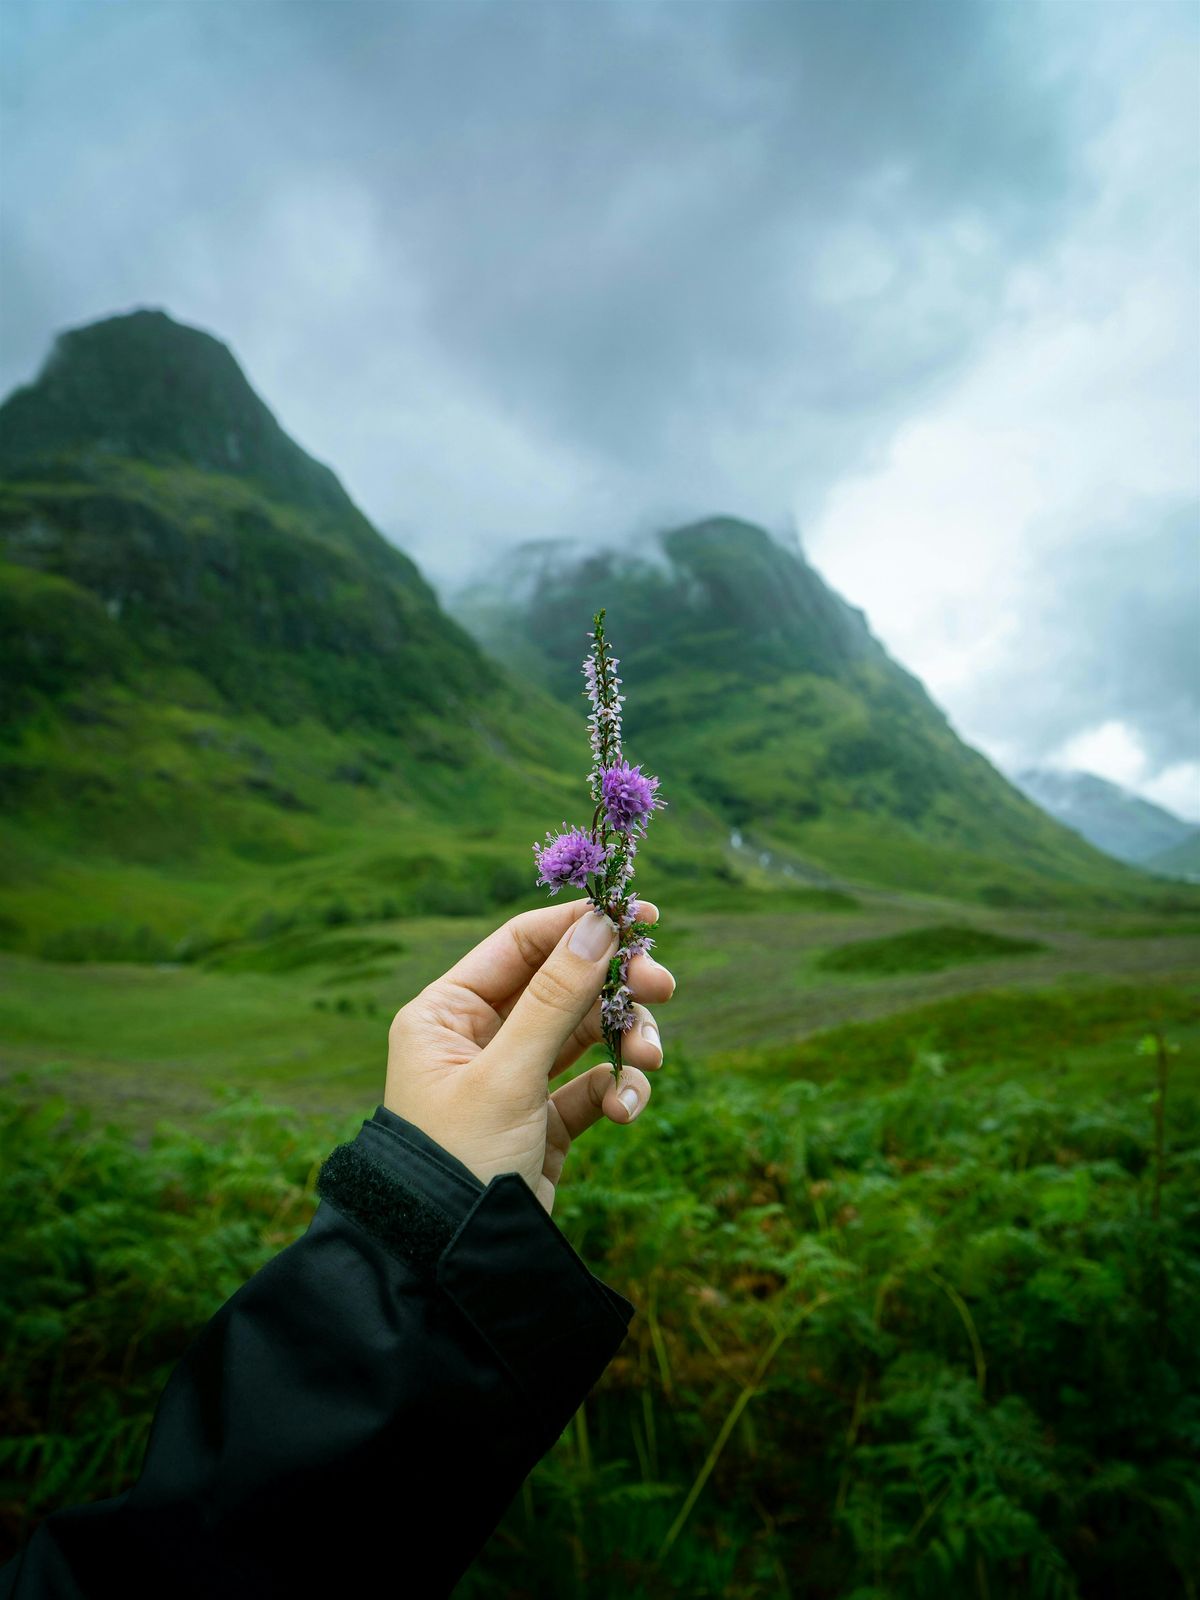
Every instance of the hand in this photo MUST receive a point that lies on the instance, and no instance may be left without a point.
(470, 1057)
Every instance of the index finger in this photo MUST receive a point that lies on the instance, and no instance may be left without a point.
(503, 963)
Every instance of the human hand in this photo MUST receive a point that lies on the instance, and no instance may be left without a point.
(470, 1057)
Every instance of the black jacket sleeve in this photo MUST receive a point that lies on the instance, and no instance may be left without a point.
(373, 1397)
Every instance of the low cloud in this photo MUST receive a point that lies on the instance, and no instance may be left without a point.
(532, 269)
(1030, 543)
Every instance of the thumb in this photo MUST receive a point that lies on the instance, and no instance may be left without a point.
(556, 999)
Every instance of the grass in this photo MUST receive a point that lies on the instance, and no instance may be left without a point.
(301, 1012)
(923, 950)
(992, 1031)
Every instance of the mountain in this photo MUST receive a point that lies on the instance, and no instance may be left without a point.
(767, 694)
(144, 388)
(1114, 820)
(226, 701)
(143, 470)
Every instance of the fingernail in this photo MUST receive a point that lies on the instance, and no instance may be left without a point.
(650, 1031)
(661, 968)
(593, 936)
(629, 1099)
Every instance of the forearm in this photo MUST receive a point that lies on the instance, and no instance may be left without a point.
(396, 1371)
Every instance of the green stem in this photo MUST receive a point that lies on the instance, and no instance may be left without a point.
(743, 1400)
(615, 909)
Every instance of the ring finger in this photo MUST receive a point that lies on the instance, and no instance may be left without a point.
(641, 1045)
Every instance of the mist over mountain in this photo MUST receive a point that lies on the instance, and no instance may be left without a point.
(1116, 821)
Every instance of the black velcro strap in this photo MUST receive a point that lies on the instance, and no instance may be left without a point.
(407, 1224)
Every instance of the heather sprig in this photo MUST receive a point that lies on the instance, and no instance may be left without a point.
(600, 858)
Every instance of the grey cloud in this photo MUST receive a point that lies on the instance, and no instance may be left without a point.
(1110, 633)
(655, 234)
(620, 224)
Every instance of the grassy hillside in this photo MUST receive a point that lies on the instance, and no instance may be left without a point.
(231, 710)
(1182, 860)
(767, 694)
(145, 818)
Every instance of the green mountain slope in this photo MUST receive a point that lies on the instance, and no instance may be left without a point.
(226, 702)
(767, 693)
(1181, 860)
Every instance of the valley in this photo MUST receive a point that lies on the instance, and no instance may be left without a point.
(306, 1021)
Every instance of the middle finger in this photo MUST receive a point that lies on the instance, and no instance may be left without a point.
(649, 980)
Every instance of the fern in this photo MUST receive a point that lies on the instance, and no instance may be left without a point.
(973, 1386)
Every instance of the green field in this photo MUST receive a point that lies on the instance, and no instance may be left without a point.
(918, 1301)
(924, 950)
(302, 1016)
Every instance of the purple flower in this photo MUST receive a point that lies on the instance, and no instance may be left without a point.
(568, 858)
(628, 797)
(616, 1011)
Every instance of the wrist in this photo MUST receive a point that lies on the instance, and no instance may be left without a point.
(482, 1138)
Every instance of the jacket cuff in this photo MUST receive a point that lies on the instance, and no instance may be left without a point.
(401, 1187)
(494, 1252)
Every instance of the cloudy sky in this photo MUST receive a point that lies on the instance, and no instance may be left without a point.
(918, 281)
